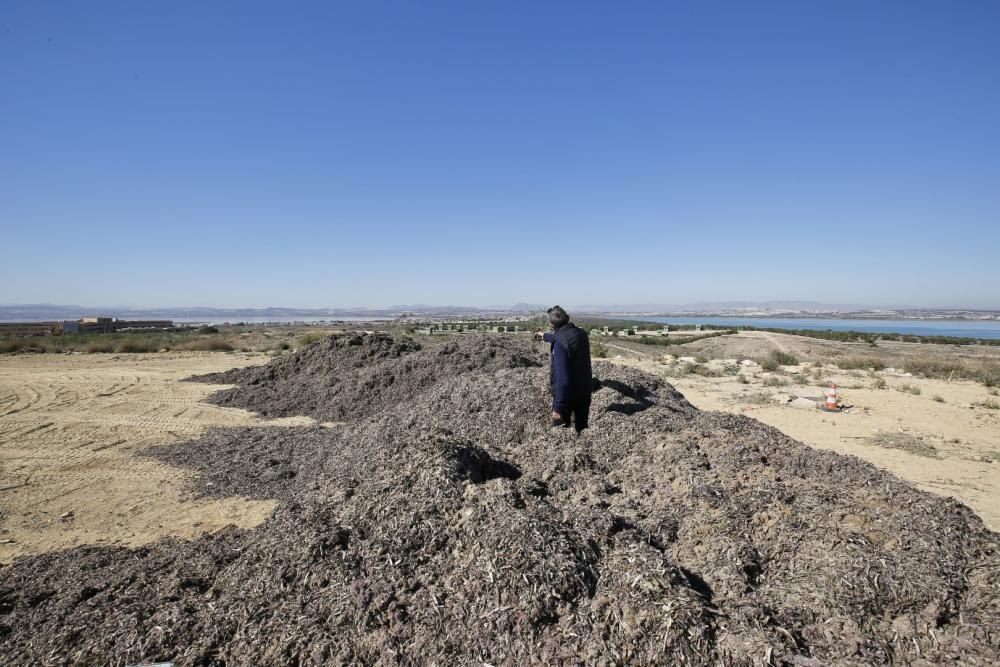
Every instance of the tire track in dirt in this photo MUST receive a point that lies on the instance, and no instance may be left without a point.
(70, 426)
(24, 398)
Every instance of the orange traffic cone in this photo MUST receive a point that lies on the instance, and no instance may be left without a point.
(831, 399)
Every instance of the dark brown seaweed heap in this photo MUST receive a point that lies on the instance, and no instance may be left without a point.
(447, 524)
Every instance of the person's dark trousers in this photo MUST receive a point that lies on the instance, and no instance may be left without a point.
(577, 414)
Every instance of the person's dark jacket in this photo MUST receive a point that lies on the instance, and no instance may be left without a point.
(570, 374)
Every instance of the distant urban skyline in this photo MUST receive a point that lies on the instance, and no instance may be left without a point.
(349, 154)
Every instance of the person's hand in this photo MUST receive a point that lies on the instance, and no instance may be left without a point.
(538, 334)
(556, 415)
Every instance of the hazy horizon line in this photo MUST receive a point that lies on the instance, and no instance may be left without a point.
(521, 305)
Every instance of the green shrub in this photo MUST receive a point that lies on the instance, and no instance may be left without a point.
(207, 345)
(677, 340)
(207, 329)
(13, 344)
(136, 345)
(100, 346)
(309, 339)
(769, 365)
(784, 358)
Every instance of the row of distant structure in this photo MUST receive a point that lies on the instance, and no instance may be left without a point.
(454, 327)
(635, 331)
(102, 325)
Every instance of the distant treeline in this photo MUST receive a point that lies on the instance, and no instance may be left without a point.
(677, 340)
(588, 323)
(871, 338)
(828, 334)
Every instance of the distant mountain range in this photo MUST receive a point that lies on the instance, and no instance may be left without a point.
(48, 311)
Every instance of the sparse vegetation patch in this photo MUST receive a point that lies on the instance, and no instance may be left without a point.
(907, 442)
(860, 363)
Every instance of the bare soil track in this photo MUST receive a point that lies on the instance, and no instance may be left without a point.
(69, 426)
(447, 524)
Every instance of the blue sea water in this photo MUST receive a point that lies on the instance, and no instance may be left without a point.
(966, 328)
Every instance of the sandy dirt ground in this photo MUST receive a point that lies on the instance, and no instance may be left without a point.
(956, 436)
(69, 428)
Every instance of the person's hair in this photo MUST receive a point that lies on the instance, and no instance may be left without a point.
(558, 317)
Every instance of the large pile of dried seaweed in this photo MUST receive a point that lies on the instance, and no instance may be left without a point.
(352, 376)
(447, 524)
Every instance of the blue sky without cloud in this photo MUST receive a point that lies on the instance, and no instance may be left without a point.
(372, 153)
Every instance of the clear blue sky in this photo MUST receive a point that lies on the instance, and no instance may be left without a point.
(373, 153)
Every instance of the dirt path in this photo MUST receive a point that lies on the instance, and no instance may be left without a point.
(778, 341)
(69, 426)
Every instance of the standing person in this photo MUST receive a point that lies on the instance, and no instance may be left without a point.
(570, 373)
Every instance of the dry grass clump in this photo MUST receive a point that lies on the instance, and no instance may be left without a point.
(705, 371)
(784, 358)
(137, 345)
(934, 368)
(860, 363)
(778, 358)
(907, 442)
(210, 344)
(757, 397)
(772, 381)
(308, 339)
(14, 344)
(988, 374)
(679, 371)
(909, 389)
